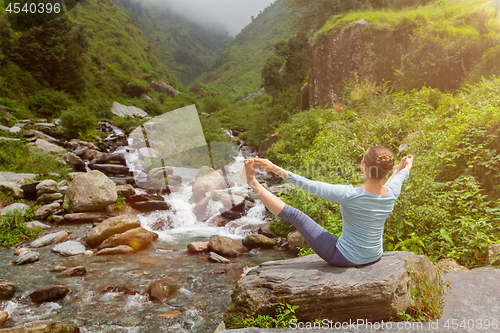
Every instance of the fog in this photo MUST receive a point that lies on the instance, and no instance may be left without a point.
(233, 14)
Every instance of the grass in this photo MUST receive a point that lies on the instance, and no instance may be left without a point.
(13, 230)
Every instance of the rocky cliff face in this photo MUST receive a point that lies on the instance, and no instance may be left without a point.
(370, 52)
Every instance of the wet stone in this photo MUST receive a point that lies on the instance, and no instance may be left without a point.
(255, 241)
(214, 257)
(21, 251)
(3, 317)
(50, 293)
(121, 249)
(27, 257)
(197, 247)
(56, 237)
(69, 248)
(36, 224)
(74, 271)
(7, 289)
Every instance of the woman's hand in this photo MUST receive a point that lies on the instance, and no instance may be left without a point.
(265, 165)
(406, 162)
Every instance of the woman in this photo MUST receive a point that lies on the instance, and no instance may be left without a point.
(364, 209)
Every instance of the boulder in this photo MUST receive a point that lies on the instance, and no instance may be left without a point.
(160, 173)
(37, 224)
(110, 169)
(74, 271)
(492, 252)
(89, 154)
(12, 189)
(73, 175)
(197, 247)
(18, 205)
(450, 266)
(75, 161)
(43, 326)
(44, 146)
(91, 191)
(162, 87)
(49, 197)
(147, 202)
(219, 221)
(206, 184)
(27, 257)
(255, 241)
(7, 289)
(373, 292)
(138, 239)
(214, 257)
(3, 317)
(15, 130)
(110, 227)
(226, 246)
(45, 211)
(267, 231)
(205, 208)
(267, 143)
(85, 217)
(53, 238)
(125, 190)
(295, 241)
(121, 110)
(69, 248)
(121, 249)
(46, 186)
(164, 289)
(50, 293)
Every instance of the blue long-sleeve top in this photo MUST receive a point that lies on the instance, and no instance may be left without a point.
(363, 214)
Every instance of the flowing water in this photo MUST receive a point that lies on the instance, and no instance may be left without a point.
(112, 296)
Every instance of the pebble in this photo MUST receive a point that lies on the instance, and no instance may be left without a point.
(20, 251)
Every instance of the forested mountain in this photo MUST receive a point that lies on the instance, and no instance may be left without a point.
(237, 69)
(185, 47)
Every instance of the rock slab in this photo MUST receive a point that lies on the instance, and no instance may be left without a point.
(44, 326)
(56, 237)
(69, 248)
(110, 227)
(374, 292)
(27, 257)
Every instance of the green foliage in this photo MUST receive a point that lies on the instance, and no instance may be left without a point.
(428, 297)
(126, 123)
(284, 314)
(134, 89)
(49, 103)
(13, 230)
(79, 122)
(448, 206)
(120, 203)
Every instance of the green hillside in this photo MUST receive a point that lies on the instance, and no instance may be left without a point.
(185, 47)
(237, 70)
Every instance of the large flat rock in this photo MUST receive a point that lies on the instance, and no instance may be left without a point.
(472, 303)
(374, 292)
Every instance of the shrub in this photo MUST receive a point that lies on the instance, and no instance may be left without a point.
(79, 122)
(13, 230)
(126, 123)
(49, 103)
(134, 89)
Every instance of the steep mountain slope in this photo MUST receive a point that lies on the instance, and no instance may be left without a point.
(237, 70)
(185, 47)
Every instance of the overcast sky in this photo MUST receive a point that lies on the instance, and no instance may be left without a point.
(235, 14)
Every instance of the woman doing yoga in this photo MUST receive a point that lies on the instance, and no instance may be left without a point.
(364, 209)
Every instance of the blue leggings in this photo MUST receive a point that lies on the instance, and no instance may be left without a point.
(320, 240)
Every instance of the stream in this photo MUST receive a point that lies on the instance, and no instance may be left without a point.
(112, 296)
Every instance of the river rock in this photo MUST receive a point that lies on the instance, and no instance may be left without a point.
(160, 173)
(125, 190)
(374, 292)
(214, 257)
(3, 317)
(197, 247)
(162, 290)
(138, 239)
(21, 251)
(204, 209)
(492, 252)
(37, 224)
(49, 197)
(75, 161)
(295, 241)
(15, 130)
(206, 184)
(110, 227)
(44, 146)
(147, 202)
(27, 257)
(110, 169)
(46, 186)
(85, 217)
(56, 237)
(267, 231)
(120, 110)
(219, 221)
(226, 246)
(254, 241)
(91, 191)
(50, 293)
(121, 249)
(47, 210)
(162, 87)
(74, 271)
(18, 205)
(450, 266)
(69, 248)
(44, 326)
(7, 289)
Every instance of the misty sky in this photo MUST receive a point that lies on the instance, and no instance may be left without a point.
(235, 14)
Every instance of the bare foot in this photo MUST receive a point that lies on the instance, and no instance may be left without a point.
(250, 167)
